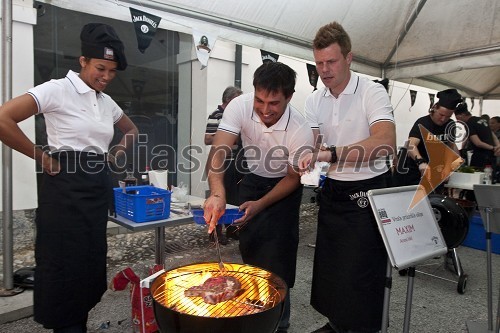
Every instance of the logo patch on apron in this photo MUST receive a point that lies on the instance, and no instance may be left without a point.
(361, 199)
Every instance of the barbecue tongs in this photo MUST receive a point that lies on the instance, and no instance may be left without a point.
(217, 246)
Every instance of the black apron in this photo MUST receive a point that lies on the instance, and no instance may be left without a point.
(350, 258)
(481, 157)
(270, 239)
(70, 249)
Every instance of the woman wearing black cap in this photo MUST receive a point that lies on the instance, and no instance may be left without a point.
(442, 128)
(70, 249)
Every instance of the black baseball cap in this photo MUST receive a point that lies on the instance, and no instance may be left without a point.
(100, 41)
(449, 98)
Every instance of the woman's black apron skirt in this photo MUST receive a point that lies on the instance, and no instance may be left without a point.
(350, 258)
(270, 239)
(70, 249)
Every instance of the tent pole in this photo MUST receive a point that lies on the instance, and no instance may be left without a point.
(8, 258)
(404, 31)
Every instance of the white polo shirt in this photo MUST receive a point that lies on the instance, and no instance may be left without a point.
(76, 116)
(268, 150)
(347, 119)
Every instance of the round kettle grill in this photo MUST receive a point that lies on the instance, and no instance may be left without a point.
(452, 218)
(453, 221)
(256, 308)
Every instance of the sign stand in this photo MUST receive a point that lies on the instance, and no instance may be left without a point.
(409, 298)
(387, 295)
(488, 201)
(410, 234)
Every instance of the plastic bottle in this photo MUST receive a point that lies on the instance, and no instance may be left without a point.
(145, 177)
(488, 174)
(130, 179)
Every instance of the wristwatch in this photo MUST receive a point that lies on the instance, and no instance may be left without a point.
(333, 151)
(419, 161)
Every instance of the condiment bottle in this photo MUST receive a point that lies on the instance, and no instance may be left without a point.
(145, 177)
(488, 174)
(130, 179)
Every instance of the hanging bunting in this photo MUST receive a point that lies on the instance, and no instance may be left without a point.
(313, 75)
(204, 44)
(268, 56)
(145, 26)
(413, 97)
(431, 97)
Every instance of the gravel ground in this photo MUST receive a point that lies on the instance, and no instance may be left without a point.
(436, 305)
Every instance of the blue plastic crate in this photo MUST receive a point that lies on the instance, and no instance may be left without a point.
(142, 203)
(476, 237)
(229, 216)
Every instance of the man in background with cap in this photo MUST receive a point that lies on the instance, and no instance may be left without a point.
(442, 128)
(483, 143)
(72, 214)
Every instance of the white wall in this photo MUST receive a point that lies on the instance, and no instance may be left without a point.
(24, 190)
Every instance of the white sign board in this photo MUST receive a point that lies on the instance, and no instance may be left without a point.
(410, 235)
(488, 197)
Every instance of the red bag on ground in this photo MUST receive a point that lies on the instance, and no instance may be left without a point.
(143, 319)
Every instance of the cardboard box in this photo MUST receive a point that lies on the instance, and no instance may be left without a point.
(476, 237)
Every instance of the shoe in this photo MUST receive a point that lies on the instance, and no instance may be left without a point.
(325, 329)
(232, 232)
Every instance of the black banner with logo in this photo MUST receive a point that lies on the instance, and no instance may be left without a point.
(145, 26)
(431, 97)
(413, 97)
(313, 75)
(268, 56)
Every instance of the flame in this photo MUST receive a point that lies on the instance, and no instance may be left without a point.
(260, 290)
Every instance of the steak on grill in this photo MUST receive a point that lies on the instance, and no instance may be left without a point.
(215, 289)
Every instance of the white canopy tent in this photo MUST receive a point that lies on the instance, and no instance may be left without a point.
(432, 43)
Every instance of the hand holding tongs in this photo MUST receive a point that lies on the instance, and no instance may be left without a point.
(217, 245)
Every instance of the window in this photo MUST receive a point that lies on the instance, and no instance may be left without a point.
(147, 90)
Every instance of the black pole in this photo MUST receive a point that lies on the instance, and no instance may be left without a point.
(237, 65)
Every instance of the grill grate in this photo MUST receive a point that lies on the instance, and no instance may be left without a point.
(260, 291)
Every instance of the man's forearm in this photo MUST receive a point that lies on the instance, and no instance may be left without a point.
(216, 172)
(284, 188)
